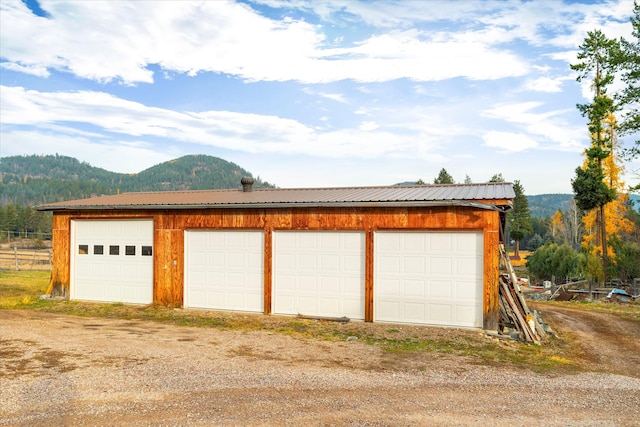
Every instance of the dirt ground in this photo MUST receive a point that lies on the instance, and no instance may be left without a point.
(607, 343)
(67, 370)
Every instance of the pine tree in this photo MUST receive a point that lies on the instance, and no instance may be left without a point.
(444, 178)
(630, 95)
(598, 55)
(519, 217)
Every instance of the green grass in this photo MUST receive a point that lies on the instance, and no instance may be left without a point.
(20, 290)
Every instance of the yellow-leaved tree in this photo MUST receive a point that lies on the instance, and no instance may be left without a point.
(557, 225)
(616, 210)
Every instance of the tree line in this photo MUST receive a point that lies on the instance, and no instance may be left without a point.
(24, 222)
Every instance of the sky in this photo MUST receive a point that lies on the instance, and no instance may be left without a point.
(307, 93)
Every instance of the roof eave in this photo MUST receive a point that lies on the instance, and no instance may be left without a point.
(504, 206)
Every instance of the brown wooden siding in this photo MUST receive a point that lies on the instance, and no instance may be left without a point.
(60, 256)
(169, 227)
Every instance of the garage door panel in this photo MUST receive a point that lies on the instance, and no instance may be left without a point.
(441, 314)
(467, 290)
(415, 288)
(286, 283)
(352, 264)
(428, 277)
(214, 259)
(441, 289)
(414, 265)
(107, 277)
(330, 284)
(319, 273)
(467, 314)
(414, 311)
(467, 266)
(440, 266)
(413, 244)
(440, 242)
(308, 241)
(286, 261)
(328, 305)
(307, 304)
(224, 270)
(330, 262)
(236, 260)
(388, 263)
(330, 241)
(351, 286)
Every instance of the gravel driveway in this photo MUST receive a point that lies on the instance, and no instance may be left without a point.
(67, 370)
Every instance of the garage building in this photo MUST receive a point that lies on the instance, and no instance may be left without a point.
(424, 254)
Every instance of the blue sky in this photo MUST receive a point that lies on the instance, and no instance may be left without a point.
(306, 93)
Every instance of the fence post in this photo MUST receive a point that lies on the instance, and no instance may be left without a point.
(15, 255)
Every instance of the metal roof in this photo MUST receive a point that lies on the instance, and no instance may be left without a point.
(492, 194)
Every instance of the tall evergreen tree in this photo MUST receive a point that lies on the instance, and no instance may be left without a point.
(630, 95)
(519, 217)
(598, 61)
(444, 178)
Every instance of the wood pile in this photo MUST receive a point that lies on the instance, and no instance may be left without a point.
(513, 309)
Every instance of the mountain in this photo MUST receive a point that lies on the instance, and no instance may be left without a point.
(544, 205)
(32, 180)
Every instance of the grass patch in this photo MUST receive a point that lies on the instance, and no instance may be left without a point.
(22, 288)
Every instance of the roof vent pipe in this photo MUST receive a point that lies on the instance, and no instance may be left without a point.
(247, 184)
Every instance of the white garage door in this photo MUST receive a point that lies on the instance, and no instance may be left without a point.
(224, 270)
(428, 278)
(112, 261)
(319, 273)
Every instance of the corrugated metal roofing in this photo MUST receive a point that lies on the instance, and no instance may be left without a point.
(491, 193)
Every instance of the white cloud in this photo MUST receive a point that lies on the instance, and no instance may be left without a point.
(252, 133)
(120, 40)
(550, 126)
(338, 97)
(367, 126)
(545, 84)
(34, 70)
(508, 141)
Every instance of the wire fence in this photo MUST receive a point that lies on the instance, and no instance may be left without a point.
(10, 236)
(25, 259)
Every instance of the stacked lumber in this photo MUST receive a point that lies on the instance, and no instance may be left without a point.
(513, 309)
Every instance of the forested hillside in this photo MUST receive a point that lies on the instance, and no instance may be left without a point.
(32, 180)
(544, 205)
